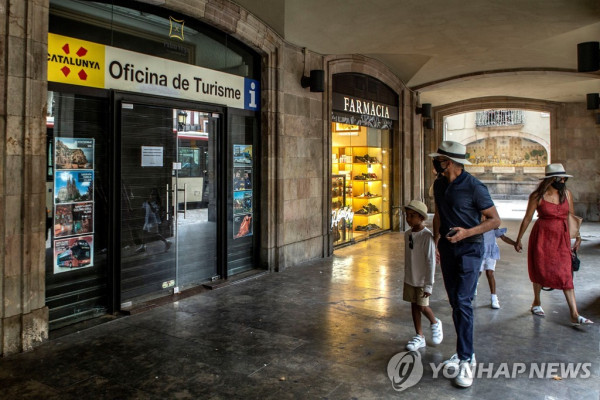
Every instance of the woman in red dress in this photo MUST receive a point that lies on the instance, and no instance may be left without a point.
(549, 251)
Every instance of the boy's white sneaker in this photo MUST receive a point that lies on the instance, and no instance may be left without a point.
(437, 334)
(495, 302)
(415, 343)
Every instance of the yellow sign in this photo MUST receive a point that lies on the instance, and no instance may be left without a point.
(76, 62)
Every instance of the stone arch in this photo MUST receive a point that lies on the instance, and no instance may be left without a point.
(408, 156)
(435, 136)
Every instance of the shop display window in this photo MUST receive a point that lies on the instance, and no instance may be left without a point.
(361, 162)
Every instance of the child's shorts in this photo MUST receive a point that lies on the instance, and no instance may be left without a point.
(488, 264)
(414, 295)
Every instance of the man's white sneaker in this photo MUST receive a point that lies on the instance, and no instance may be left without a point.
(415, 343)
(465, 374)
(454, 361)
(495, 302)
(437, 334)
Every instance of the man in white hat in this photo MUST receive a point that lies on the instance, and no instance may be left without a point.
(460, 200)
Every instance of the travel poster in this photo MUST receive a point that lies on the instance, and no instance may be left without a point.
(242, 202)
(73, 153)
(242, 155)
(242, 226)
(73, 219)
(73, 186)
(242, 179)
(73, 253)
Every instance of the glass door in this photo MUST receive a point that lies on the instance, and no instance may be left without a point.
(168, 202)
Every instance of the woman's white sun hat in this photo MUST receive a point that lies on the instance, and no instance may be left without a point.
(417, 206)
(556, 169)
(453, 150)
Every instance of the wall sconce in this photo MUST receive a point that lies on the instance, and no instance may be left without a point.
(588, 56)
(428, 123)
(424, 110)
(181, 120)
(593, 101)
(316, 80)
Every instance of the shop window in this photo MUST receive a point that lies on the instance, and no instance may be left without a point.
(360, 198)
(76, 208)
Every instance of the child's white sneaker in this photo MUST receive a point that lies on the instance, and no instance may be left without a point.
(495, 302)
(415, 343)
(437, 334)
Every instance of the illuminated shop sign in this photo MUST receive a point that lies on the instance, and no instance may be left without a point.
(79, 62)
(355, 105)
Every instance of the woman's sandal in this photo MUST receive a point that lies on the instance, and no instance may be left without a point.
(582, 321)
(537, 310)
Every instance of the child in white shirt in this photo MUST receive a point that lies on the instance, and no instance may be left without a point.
(419, 270)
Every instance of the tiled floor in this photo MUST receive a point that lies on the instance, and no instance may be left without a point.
(325, 329)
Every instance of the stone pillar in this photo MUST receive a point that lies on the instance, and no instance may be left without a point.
(23, 87)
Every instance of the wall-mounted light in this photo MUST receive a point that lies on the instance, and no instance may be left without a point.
(593, 101)
(316, 80)
(588, 56)
(428, 123)
(424, 110)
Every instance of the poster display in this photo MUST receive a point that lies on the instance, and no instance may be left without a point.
(73, 224)
(73, 252)
(242, 190)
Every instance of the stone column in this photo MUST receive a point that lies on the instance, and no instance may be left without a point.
(23, 87)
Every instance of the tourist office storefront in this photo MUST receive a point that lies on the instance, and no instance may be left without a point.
(152, 130)
(364, 111)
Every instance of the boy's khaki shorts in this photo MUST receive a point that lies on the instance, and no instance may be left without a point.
(414, 295)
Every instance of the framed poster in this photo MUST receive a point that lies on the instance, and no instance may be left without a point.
(242, 155)
(242, 179)
(242, 226)
(73, 219)
(72, 186)
(73, 252)
(73, 153)
(242, 202)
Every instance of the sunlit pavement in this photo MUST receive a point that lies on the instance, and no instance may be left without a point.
(325, 329)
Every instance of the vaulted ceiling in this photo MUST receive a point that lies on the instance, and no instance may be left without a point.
(452, 50)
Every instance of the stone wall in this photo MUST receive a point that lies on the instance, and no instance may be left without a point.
(23, 36)
(577, 146)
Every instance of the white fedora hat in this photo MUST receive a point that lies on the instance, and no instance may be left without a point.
(453, 150)
(556, 169)
(417, 206)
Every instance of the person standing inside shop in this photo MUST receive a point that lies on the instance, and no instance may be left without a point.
(458, 228)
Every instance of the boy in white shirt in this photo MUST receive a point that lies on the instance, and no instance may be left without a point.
(419, 270)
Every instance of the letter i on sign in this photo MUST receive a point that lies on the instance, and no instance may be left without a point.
(252, 89)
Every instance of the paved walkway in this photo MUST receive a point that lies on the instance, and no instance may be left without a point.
(324, 330)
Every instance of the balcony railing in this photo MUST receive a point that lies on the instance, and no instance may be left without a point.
(499, 118)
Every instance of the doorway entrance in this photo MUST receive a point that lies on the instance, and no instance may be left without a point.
(169, 215)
